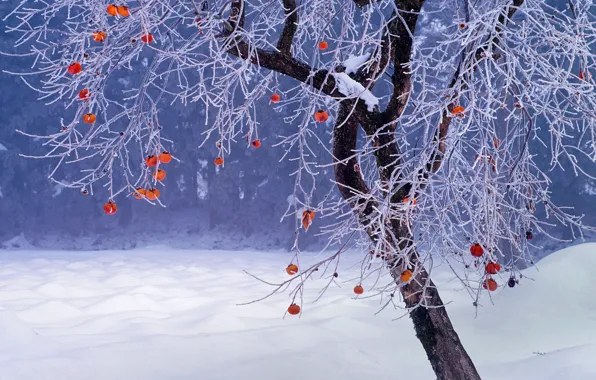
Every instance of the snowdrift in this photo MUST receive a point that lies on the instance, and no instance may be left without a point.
(164, 314)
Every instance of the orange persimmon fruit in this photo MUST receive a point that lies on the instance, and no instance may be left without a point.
(321, 116)
(110, 208)
(294, 309)
(165, 157)
(476, 250)
(151, 161)
(112, 10)
(139, 193)
(74, 68)
(406, 275)
(84, 94)
(99, 36)
(123, 11)
(89, 118)
(152, 194)
(292, 269)
(358, 289)
(493, 268)
(159, 174)
(457, 110)
(490, 285)
(407, 199)
(147, 38)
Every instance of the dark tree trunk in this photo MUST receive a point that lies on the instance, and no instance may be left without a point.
(444, 350)
(431, 322)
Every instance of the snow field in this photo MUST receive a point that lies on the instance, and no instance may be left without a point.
(165, 314)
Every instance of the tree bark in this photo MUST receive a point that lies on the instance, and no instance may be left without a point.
(444, 350)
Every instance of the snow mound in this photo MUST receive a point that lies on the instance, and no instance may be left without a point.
(164, 314)
(124, 303)
(49, 312)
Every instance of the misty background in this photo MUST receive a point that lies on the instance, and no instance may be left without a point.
(236, 207)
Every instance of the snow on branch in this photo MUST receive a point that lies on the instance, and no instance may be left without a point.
(355, 62)
(352, 89)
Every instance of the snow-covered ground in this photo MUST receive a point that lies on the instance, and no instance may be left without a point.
(165, 314)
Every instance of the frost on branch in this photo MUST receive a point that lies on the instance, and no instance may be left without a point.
(477, 106)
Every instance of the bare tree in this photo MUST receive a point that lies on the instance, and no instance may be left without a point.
(449, 97)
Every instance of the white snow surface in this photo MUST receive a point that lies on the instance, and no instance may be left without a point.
(350, 88)
(354, 62)
(164, 314)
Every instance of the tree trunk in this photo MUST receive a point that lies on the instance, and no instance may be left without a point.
(444, 350)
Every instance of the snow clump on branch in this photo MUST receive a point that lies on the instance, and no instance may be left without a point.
(350, 88)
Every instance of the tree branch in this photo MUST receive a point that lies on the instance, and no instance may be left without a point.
(290, 26)
(401, 51)
(437, 157)
(349, 180)
(364, 3)
(237, 13)
(287, 65)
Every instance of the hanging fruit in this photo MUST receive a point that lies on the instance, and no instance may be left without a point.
(307, 218)
(218, 161)
(74, 68)
(529, 235)
(493, 268)
(159, 174)
(323, 45)
(99, 36)
(292, 269)
(84, 94)
(123, 11)
(275, 98)
(89, 118)
(358, 289)
(294, 309)
(165, 157)
(511, 283)
(406, 275)
(152, 194)
(255, 143)
(110, 208)
(476, 250)
(457, 110)
(151, 161)
(490, 285)
(139, 193)
(407, 200)
(321, 116)
(147, 38)
(112, 10)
